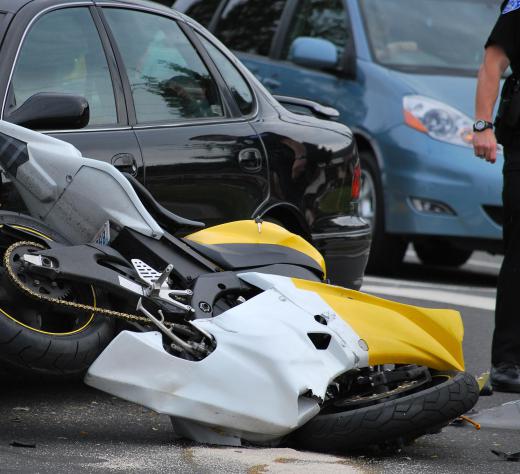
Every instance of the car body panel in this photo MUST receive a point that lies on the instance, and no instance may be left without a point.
(441, 177)
(411, 164)
(192, 167)
(206, 158)
(342, 236)
(12, 6)
(102, 145)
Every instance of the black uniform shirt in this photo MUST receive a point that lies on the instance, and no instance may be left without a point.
(506, 33)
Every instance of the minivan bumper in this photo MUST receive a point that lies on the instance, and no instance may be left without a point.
(416, 166)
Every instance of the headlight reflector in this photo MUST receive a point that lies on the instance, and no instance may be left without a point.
(438, 120)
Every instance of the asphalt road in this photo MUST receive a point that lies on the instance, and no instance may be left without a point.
(471, 290)
(72, 428)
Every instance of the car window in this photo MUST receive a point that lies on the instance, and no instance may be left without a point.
(63, 53)
(168, 79)
(250, 25)
(200, 10)
(238, 86)
(421, 35)
(325, 19)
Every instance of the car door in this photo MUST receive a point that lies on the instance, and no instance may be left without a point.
(248, 27)
(325, 19)
(62, 51)
(202, 158)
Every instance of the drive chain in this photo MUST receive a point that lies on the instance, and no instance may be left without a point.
(56, 301)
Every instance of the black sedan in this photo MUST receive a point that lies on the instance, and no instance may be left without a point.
(171, 105)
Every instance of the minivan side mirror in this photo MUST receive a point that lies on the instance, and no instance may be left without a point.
(52, 111)
(317, 53)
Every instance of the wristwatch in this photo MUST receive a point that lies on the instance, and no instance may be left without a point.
(481, 125)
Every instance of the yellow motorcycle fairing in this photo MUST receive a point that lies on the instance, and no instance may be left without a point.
(247, 238)
(397, 333)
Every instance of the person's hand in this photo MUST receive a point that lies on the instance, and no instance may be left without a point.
(485, 145)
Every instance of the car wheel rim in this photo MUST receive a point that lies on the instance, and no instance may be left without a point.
(367, 198)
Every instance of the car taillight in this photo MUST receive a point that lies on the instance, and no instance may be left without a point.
(356, 182)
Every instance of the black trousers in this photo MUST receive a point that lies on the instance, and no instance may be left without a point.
(506, 338)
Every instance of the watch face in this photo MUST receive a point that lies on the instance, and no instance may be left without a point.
(480, 125)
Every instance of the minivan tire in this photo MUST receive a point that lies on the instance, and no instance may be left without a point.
(441, 253)
(387, 251)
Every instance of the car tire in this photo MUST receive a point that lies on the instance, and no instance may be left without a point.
(437, 252)
(393, 422)
(37, 353)
(387, 251)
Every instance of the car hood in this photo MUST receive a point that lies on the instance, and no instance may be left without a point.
(457, 91)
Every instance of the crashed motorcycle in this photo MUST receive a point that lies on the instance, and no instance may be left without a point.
(232, 331)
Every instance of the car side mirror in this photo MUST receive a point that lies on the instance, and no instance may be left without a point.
(52, 111)
(317, 53)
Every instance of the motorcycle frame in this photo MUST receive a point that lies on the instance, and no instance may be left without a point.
(110, 268)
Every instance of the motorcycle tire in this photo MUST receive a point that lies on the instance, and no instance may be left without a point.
(33, 352)
(391, 423)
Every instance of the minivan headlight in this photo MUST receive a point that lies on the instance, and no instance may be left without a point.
(437, 119)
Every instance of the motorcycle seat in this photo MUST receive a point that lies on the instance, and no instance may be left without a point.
(167, 219)
(246, 256)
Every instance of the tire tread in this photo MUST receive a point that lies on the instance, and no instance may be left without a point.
(28, 355)
(393, 421)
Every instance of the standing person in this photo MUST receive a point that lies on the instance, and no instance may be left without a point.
(502, 50)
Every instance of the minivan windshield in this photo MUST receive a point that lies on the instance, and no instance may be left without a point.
(444, 36)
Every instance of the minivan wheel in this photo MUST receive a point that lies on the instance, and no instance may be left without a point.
(438, 252)
(387, 251)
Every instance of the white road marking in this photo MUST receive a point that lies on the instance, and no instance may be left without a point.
(421, 284)
(458, 299)
(482, 263)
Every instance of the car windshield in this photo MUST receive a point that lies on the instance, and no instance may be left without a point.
(430, 35)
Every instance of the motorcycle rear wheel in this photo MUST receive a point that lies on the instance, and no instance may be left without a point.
(391, 423)
(39, 341)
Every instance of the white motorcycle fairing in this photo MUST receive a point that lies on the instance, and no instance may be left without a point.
(74, 195)
(263, 380)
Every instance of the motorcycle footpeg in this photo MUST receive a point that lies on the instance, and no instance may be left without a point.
(150, 276)
(158, 287)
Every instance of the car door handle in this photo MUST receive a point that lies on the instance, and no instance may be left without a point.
(250, 159)
(271, 83)
(126, 163)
